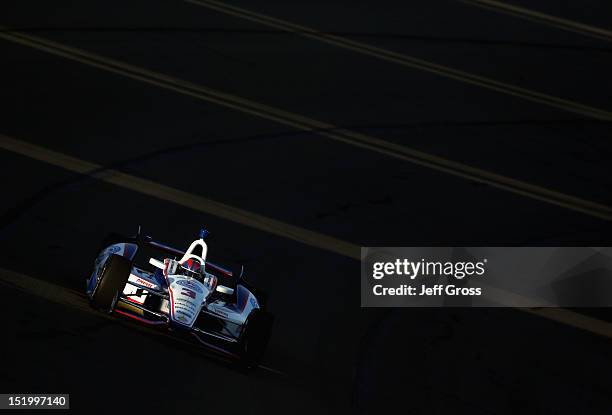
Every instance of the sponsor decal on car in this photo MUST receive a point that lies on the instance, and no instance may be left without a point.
(191, 285)
(183, 306)
(145, 283)
(218, 311)
(113, 249)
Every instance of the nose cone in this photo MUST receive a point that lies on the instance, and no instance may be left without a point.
(186, 298)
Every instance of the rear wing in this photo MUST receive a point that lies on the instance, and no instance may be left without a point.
(147, 240)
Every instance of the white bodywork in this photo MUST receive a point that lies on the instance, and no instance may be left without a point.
(141, 278)
(187, 295)
(190, 251)
(186, 298)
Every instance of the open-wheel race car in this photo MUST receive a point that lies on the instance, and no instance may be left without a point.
(183, 292)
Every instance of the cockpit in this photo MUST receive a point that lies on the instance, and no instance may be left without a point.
(192, 267)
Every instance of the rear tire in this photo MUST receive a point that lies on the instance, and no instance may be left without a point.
(114, 275)
(255, 337)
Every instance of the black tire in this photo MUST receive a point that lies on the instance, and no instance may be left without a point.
(255, 337)
(114, 275)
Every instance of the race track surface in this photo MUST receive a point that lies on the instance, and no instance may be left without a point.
(297, 132)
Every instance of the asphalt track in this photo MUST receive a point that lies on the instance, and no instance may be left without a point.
(292, 204)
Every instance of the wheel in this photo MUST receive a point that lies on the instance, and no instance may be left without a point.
(255, 337)
(113, 276)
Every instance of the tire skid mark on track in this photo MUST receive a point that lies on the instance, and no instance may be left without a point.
(10, 216)
(181, 198)
(252, 220)
(302, 123)
(76, 300)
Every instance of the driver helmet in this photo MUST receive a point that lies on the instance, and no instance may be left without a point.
(191, 268)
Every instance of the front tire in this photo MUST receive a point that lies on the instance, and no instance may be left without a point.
(112, 279)
(255, 337)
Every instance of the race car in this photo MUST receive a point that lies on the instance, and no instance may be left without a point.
(183, 292)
